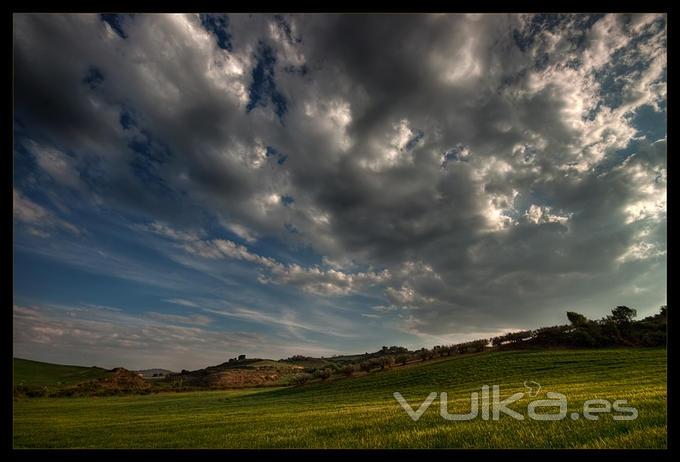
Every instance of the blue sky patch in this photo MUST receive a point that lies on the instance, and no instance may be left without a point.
(93, 78)
(419, 134)
(218, 26)
(116, 23)
(263, 88)
(127, 120)
(273, 152)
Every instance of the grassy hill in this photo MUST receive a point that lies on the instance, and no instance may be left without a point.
(247, 373)
(361, 412)
(54, 376)
(309, 362)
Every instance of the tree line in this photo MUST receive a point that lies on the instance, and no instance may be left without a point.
(617, 329)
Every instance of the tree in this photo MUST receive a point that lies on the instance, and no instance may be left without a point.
(402, 359)
(519, 337)
(301, 379)
(497, 341)
(366, 366)
(349, 370)
(473, 346)
(424, 354)
(333, 367)
(323, 374)
(386, 362)
(479, 345)
(623, 314)
(376, 362)
(553, 335)
(576, 319)
(583, 338)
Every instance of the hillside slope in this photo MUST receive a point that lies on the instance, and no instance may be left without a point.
(39, 374)
(247, 373)
(362, 412)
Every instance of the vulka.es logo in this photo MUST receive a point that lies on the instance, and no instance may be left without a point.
(491, 407)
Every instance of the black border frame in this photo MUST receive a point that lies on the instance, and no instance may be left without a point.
(316, 7)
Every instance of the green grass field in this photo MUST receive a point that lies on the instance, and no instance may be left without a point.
(36, 373)
(362, 412)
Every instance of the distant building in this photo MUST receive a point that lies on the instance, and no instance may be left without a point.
(241, 357)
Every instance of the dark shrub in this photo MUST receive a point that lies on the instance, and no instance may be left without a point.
(349, 370)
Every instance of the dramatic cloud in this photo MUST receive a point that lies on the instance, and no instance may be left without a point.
(400, 178)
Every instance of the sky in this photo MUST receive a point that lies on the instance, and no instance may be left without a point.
(190, 187)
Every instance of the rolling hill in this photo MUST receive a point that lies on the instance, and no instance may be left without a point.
(39, 374)
(361, 412)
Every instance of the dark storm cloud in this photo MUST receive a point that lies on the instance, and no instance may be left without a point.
(458, 152)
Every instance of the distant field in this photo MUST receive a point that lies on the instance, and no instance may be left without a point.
(362, 412)
(36, 373)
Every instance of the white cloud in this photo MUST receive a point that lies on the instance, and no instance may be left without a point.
(39, 220)
(536, 214)
(196, 319)
(326, 282)
(370, 315)
(641, 251)
(407, 296)
(285, 319)
(162, 229)
(313, 280)
(58, 165)
(242, 232)
(605, 38)
(180, 301)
